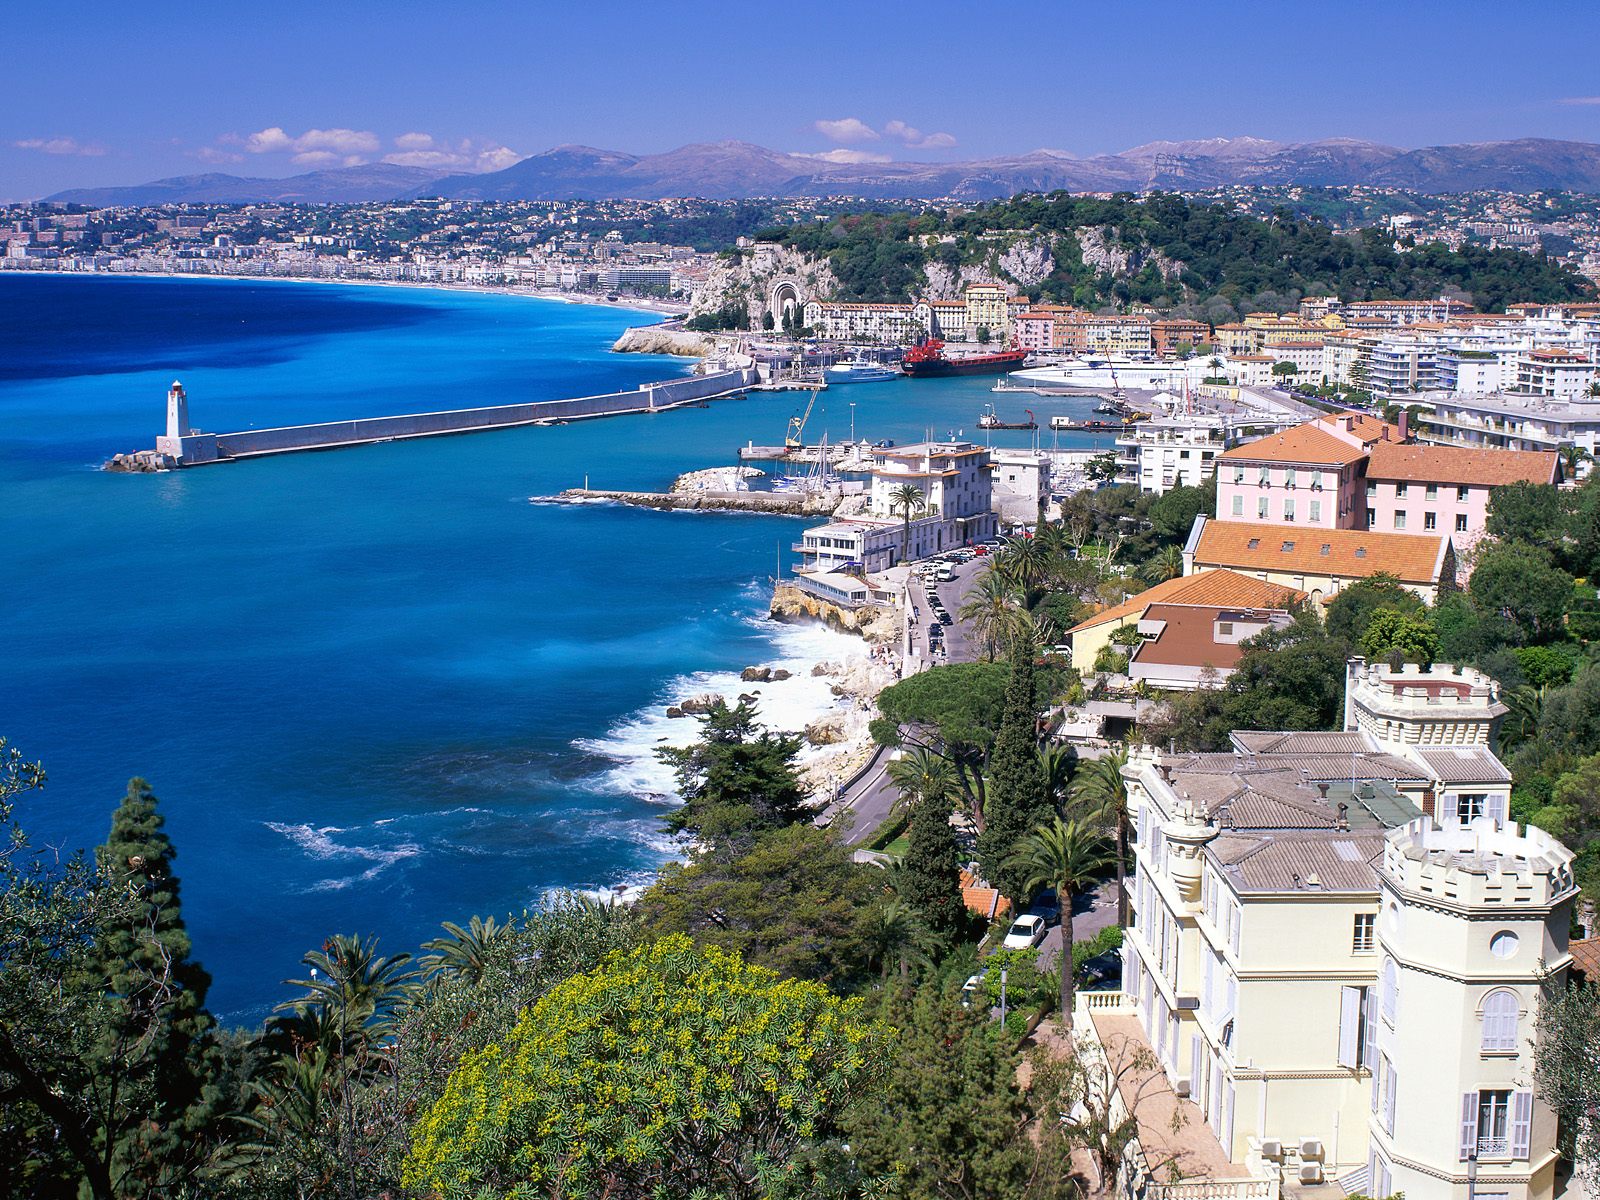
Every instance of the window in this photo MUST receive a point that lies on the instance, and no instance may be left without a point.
(1431, 492)
(1327, 548)
(1238, 475)
(1500, 1012)
(1461, 522)
(1264, 478)
(1372, 492)
(1501, 1122)
(1399, 491)
(1316, 510)
(1238, 506)
(1288, 510)
(1504, 944)
(1391, 1085)
(1288, 477)
(1399, 519)
(1372, 518)
(1287, 547)
(1462, 493)
(1363, 937)
(1261, 508)
(1224, 628)
(1430, 520)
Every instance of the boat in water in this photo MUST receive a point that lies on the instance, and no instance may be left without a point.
(991, 420)
(860, 370)
(928, 361)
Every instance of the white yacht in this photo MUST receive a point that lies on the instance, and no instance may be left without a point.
(860, 370)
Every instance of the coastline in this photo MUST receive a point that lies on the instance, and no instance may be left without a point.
(655, 308)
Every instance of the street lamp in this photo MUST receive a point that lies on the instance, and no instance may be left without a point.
(1472, 1174)
(1003, 1001)
(852, 424)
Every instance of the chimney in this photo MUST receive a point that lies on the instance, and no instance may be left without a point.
(1386, 431)
(1349, 423)
(1322, 790)
(1405, 426)
(1344, 816)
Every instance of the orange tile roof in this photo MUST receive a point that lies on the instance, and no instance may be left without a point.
(1214, 589)
(1586, 957)
(986, 901)
(1303, 444)
(1351, 553)
(1367, 428)
(1459, 465)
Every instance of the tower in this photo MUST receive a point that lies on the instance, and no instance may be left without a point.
(177, 412)
(1473, 920)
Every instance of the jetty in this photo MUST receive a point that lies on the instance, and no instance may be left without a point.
(184, 446)
(788, 504)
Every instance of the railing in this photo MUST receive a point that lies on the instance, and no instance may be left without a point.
(1494, 1147)
(1214, 1189)
(1103, 1001)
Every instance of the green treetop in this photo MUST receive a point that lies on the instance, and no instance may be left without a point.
(1018, 794)
(738, 780)
(676, 1072)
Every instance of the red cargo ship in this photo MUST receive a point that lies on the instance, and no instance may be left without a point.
(927, 361)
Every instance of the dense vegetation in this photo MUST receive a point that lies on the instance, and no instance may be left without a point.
(1226, 263)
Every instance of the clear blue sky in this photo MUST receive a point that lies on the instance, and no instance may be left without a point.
(96, 92)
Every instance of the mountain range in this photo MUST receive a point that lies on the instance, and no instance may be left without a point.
(737, 170)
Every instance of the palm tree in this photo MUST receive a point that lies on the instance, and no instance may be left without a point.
(1167, 564)
(464, 953)
(993, 608)
(1057, 762)
(897, 934)
(922, 774)
(1099, 795)
(1024, 563)
(1063, 855)
(906, 499)
(1572, 456)
(354, 993)
(1522, 722)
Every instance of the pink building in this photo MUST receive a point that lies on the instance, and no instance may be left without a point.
(1313, 475)
(1445, 489)
(1034, 330)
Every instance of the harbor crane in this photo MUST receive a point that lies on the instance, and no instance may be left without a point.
(796, 437)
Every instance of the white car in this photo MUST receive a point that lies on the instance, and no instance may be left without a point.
(1026, 932)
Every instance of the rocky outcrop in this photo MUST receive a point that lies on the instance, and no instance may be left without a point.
(789, 504)
(695, 705)
(713, 479)
(878, 623)
(827, 731)
(764, 675)
(746, 278)
(1106, 257)
(665, 339)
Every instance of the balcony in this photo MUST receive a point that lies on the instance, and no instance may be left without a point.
(1175, 1156)
(1494, 1147)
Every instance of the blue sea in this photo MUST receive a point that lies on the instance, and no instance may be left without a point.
(376, 688)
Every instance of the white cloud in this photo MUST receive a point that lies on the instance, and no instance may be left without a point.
(846, 129)
(337, 142)
(469, 154)
(849, 156)
(913, 137)
(62, 146)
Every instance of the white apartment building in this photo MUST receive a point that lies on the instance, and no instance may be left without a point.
(1171, 452)
(1337, 940)
(954, 482)
(1558, 373)
(1511, 421)
(1019, 483)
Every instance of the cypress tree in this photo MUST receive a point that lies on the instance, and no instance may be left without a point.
(932, 866)
(1019, 797)
(156, 1033)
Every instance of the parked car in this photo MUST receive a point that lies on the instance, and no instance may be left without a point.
(972, 988)
(1026, 932)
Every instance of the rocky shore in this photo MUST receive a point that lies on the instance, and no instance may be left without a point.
(791, 504)
(657, 339)
(879, 624)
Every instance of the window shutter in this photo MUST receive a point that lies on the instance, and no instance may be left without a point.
(1495, 806)
(1447, 809)
(1377, 1080)
(1208, 971)
(1500, 1021)
(1233, 995)
(1236, 918)
(1388, 1100)
(1369, 1049)
(1469, 1124)
(1521, 1123)
(1196, 1067)
(1349, 1027)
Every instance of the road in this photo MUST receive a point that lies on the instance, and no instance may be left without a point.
(867, 802)
(1091, 912)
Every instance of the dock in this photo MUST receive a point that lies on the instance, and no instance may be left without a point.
(788, 504)
(185, 446)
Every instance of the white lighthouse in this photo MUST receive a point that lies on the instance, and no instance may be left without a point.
(177, 412)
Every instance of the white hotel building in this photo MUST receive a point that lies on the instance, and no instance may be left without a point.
(1337, 948)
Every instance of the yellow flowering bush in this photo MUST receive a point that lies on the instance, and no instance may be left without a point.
(674, 1071)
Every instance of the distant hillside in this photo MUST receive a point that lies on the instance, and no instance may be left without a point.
(342, 185)
(1207, 260)
(739, 170)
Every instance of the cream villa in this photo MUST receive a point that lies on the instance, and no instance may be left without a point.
(1337, 946)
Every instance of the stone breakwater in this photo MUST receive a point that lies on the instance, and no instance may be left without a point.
(790, 504)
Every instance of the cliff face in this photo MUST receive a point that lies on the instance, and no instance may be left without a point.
(876, 623)
(748, 279)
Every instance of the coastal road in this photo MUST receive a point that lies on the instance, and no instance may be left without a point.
(1091, 912)
(867, 802)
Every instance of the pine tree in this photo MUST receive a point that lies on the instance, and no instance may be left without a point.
(1018, 792)
(932, 867)
(157, 1029)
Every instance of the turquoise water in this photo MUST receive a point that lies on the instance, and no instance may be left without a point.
(374, 688)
